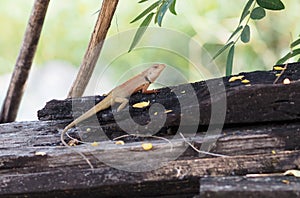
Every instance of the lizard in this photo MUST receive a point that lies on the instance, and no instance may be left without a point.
(119, 94)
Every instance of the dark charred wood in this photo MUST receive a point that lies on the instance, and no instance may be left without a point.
(262, 101)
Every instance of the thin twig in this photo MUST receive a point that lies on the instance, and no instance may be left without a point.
(145, 136)
(203, 152)
(285, 66)
(127, 135)
(282, 71)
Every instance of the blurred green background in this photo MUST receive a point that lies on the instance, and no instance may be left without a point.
(69, 24)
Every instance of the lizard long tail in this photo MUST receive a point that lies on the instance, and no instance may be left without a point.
(64, 143)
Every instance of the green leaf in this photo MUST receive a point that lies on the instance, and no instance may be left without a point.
(141, 30)
(145, 12)
(295, 43)
(229, 62)
(271, 4)
(246, 10)
(288, 56)
(237, 30)
(142, 1)
(245, 37)
(258, 13)
(162, 11)
(172, 7)
(222, 50)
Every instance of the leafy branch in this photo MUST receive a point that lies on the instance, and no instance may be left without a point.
(255, 10)
(293, 52)
(156, 10)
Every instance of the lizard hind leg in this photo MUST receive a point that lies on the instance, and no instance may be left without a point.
(123, 101)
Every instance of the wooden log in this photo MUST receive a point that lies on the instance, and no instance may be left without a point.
(261, 102)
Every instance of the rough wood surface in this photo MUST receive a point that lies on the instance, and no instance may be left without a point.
(236, 187)
(24, 61)
(34, 163)
(60, 172)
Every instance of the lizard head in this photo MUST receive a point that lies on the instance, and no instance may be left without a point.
(152, 73)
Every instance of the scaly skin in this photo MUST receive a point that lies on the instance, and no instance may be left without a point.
(119, 95)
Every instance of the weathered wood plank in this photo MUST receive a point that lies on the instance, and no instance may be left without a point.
(236, 187)
(61, 172)
(237, 140)
(110, 181)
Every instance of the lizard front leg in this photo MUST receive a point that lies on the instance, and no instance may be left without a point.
(123, 101)
(144, 89)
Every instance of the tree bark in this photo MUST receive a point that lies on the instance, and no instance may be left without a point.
(24, 61)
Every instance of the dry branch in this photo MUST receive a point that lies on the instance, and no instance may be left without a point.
(23, 64)
(96, 42)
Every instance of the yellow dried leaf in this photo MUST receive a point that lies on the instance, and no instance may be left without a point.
(40, 153)
(95, 144)
(278, 68)
(155, 113)
(234, 78)
(273, 152)
(147, 146)
(168, 111)
(285, 181)
(73, 142)
(245, 81)
(182, 92)
(277, 75)
(141, 104)
(295, 173)
(88, 129)
(120, 142)
(286, 81)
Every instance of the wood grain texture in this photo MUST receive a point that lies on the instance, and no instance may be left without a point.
(235, 187)
(60, 172)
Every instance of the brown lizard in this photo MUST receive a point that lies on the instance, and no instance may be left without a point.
(119, 95)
